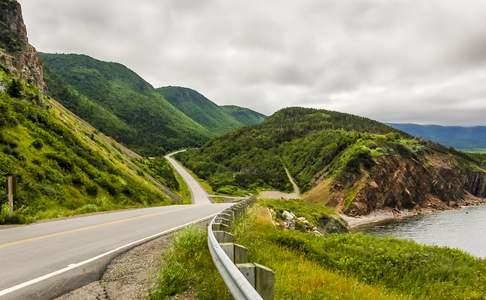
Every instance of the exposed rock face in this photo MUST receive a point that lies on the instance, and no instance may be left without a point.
(16, 54)
(475, 183)
(409, 184)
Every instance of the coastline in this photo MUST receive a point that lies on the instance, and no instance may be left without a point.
(390, 214)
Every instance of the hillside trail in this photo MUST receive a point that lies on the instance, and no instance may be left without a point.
(281, 195)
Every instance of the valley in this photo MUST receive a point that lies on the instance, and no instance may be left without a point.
(105, 161)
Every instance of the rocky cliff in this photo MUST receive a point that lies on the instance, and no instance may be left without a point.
(16, 54)
(436, 182)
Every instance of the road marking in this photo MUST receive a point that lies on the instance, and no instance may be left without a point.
(73, 266)
(43, 237)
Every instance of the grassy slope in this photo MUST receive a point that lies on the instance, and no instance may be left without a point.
(200, 109)
(187, 269)
(312, 267)
(244, 115)
(120, 103)
(305, 140)
(333, 266)
(64, 166)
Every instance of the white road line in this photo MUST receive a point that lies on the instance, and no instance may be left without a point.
(73, 266)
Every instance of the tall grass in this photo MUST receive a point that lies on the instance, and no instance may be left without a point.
(401, 267)
(187, 268)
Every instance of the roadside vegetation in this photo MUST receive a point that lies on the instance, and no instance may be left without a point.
(383, 267)
(62, 165)
(329, 266)
(188, 270)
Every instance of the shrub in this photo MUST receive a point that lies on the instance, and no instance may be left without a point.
(37, 144)
(92, 190)
(15, 88)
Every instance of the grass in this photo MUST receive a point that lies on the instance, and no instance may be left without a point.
(297, 276)
(64, 167)
(184, 191)
(334, 266)
(357, 265)
(187, 267)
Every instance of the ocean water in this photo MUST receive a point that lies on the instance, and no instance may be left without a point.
(463, 228)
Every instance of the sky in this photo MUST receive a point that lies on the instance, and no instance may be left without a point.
(390, 60)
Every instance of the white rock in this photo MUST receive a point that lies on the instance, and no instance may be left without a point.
(288, 215)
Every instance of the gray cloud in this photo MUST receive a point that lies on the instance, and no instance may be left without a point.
(401, 61)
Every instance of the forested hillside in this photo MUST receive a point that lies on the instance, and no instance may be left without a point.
(120, 103)
(200, 109)
(244, 115)
(350, 162)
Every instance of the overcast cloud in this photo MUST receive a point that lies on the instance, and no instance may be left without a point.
(401, 61)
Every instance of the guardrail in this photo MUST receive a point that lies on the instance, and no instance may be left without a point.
(244, 280)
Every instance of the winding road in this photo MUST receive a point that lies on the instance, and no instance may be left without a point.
(43, 260)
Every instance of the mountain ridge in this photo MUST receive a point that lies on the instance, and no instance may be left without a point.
(156, 125)
(460, 137)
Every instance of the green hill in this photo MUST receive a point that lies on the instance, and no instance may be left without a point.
(200, 109)
(244, 115)
(350, 162)
(64, 166)
(120, 103)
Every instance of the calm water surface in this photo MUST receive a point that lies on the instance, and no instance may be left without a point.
(462, 228)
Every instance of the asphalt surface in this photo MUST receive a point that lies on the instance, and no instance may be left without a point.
(32, 252)
(199, 195)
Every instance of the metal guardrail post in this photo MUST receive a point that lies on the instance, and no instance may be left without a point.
(253, 282)
(260, 277)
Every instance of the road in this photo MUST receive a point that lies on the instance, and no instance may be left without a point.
(198, 194)
(38, 252)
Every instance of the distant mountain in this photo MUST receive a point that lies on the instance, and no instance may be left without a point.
(244, 115)
(120, 103)
(200, 109)
(465, 138)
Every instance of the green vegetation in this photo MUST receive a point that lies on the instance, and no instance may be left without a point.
(187, 267)
(307, 141)
(333, 266)
(357, 266)
(480, 158)
(120, 103)
(200, 109)
(244, 115)
(64, 166)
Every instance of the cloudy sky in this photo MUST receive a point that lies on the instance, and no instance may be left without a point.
(391, 60)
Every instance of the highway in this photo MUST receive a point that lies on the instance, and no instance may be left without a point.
(38, 252)
(199, 195)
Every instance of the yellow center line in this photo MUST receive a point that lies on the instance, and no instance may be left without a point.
(43, 237)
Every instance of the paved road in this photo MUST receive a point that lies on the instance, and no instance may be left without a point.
(198, 194)
(37, 252)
